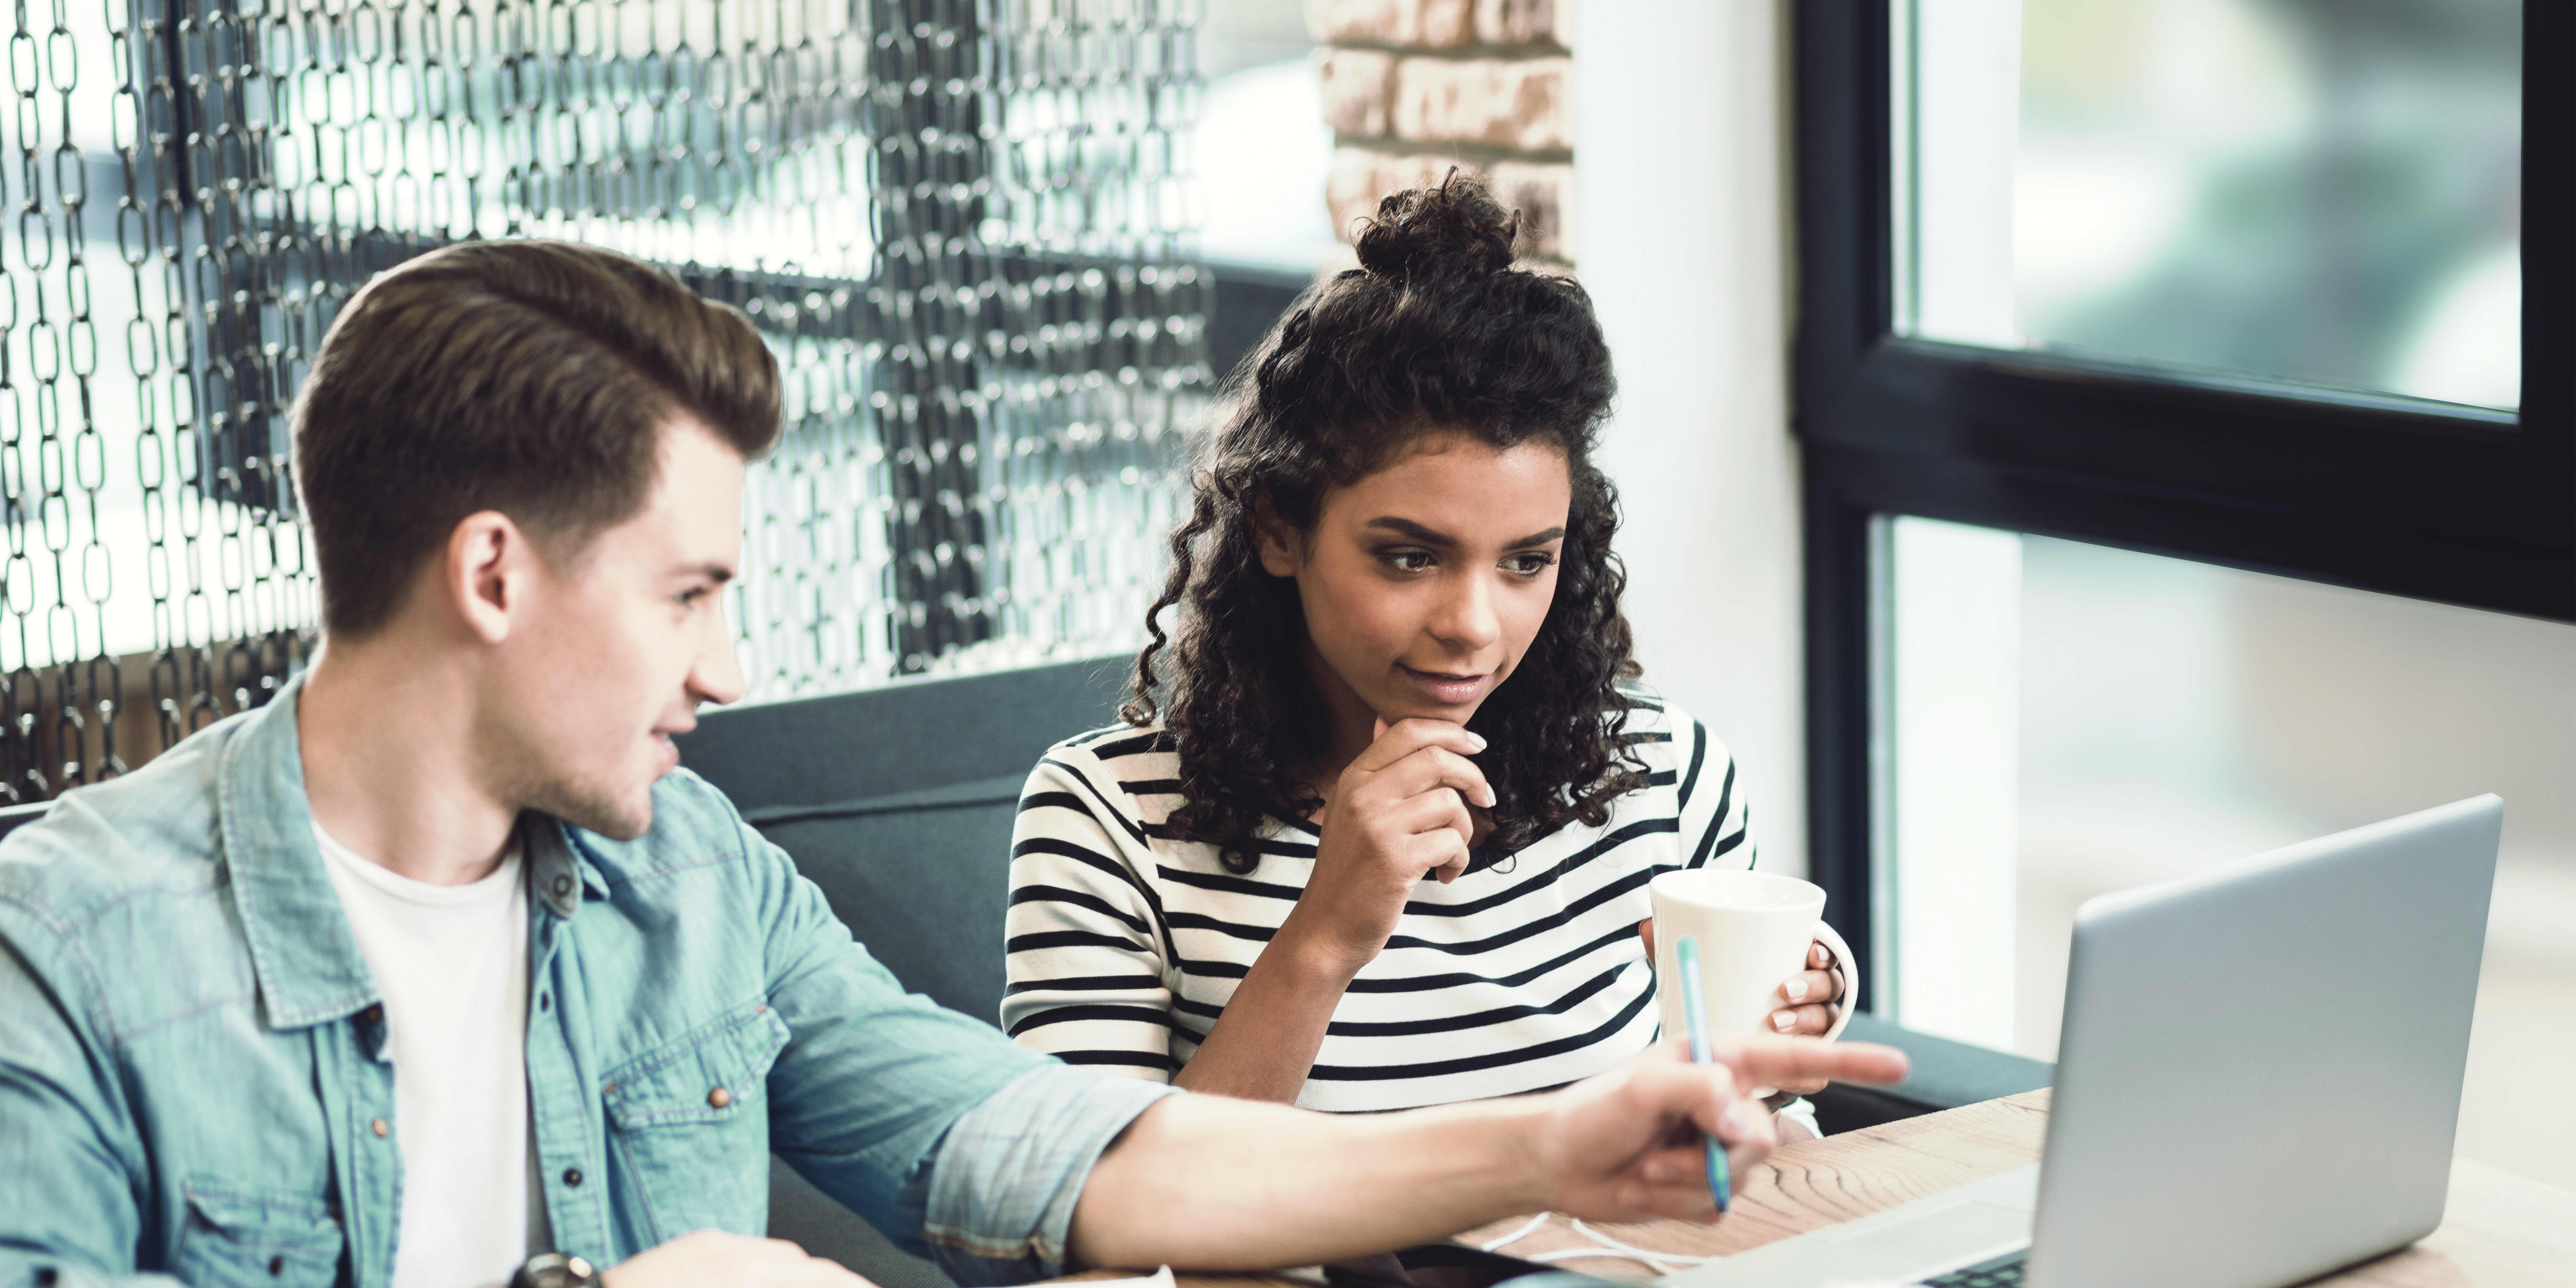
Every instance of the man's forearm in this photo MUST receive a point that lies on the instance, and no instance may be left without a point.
(1213, 1183)
(1219, 1184)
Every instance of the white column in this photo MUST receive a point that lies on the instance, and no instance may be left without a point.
(1679, 150)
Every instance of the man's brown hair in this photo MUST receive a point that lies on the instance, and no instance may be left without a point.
(528, 377)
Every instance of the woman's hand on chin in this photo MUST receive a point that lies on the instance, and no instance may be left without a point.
(1398, 813)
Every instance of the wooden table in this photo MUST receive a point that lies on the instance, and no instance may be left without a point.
(2501, 1231)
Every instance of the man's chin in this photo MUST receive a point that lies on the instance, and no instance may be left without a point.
(618, 820)
(624, 827)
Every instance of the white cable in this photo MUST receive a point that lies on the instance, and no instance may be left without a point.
(1637, 1253)
(1526, 1228)
(1602, 1246)
(1606, 1254)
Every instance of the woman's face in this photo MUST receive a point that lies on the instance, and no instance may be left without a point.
(1425, 582)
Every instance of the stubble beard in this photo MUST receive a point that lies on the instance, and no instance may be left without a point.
(596, 810)
(592, 806)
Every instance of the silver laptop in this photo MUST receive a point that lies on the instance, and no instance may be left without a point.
(2257, 1083)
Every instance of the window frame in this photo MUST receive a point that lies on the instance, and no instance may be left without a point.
(2454, 504)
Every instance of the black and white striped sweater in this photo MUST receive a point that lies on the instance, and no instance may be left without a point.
(1124, 945)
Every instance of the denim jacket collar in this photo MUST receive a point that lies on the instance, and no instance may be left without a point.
(304, 954)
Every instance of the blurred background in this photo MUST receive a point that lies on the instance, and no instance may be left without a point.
(2308, 190)
(2073, 719)
(1262, 147)
(2314, 194)
(2310, 193)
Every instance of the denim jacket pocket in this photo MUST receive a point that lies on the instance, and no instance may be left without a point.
(691, 1125)
(238, 1237)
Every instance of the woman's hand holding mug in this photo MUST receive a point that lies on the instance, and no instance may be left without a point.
(1750, 924)
(1805, 1001)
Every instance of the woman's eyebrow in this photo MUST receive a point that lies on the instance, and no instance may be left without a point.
(1431, 537)
(1409, 528)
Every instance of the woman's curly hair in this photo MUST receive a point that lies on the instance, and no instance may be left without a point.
(1435, 332)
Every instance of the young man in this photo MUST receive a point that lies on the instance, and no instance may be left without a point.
(434, 962)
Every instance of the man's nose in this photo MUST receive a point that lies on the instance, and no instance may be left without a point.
(717, 676)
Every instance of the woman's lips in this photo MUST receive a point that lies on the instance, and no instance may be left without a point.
(1443, 688)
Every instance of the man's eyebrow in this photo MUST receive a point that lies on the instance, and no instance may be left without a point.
(715, 572)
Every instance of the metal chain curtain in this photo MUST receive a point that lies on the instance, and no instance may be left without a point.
(962, 224)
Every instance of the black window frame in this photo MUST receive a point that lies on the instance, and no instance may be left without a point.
(2453, 504)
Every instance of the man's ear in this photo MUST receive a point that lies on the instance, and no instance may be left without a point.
(1282, 547)
(487, 573)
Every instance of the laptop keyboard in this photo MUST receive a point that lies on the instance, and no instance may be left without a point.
(1998, 1272)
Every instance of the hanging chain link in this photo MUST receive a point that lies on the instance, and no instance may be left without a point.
(963, 225)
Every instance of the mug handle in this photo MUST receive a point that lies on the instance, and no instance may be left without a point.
(1849, 1002)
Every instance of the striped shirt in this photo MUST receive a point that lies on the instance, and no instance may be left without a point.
(1124, 945)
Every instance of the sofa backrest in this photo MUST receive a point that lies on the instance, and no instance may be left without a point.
(898, 802)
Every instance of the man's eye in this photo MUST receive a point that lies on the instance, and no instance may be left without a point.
(690, 598)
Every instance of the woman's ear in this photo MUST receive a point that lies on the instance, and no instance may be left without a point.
(1281, 545)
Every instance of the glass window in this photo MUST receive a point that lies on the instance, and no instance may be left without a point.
(2063, 720)
(2303, 190)
(1261, 150)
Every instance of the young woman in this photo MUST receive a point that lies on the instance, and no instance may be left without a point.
(1377, 830)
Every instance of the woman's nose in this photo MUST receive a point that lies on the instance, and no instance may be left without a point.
(1466, 618)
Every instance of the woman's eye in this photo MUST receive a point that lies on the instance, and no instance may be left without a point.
(1530, 565)
(1407, 560)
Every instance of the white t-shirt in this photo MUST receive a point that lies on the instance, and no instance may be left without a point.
(451, 963)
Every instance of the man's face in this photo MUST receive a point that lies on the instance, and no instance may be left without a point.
(618, 648)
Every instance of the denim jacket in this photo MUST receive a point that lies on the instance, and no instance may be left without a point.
(191, 1081)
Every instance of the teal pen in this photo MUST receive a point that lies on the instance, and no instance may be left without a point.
(1695, 1010)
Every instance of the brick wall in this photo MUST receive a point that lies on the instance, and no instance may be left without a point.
(1413, 87)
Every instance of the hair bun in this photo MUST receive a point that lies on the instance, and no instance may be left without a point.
(1457, 227)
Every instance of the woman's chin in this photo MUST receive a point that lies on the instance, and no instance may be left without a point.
(1418, 709)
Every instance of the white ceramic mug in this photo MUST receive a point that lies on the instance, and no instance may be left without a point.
(1753, 930)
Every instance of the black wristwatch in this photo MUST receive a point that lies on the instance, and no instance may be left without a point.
(554, 1270)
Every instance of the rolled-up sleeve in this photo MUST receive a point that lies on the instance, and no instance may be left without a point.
(930, 1125)
(1003, 1186)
